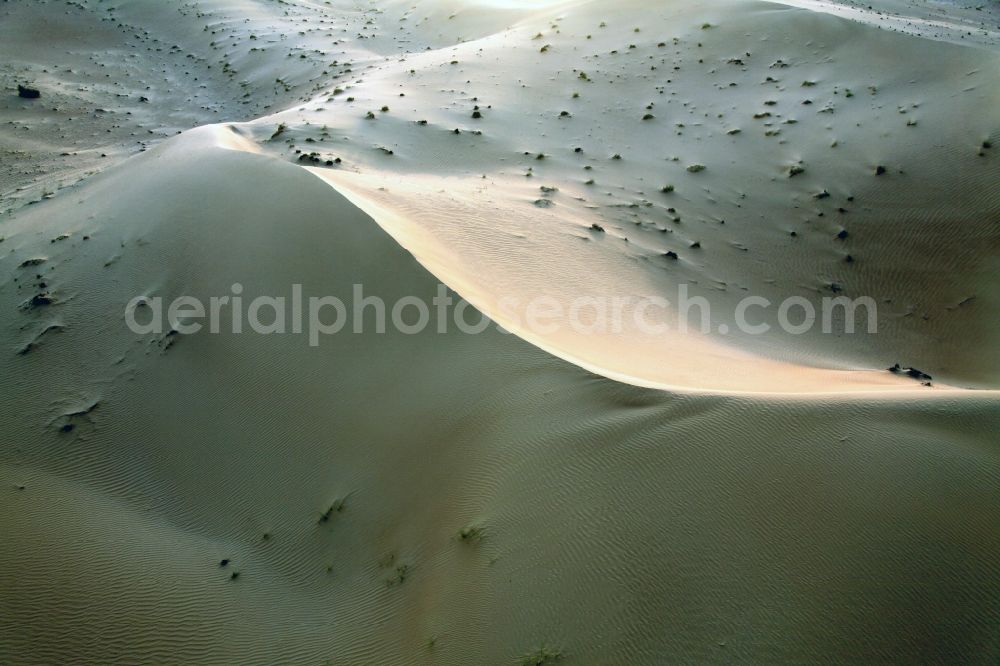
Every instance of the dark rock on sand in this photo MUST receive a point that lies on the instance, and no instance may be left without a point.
(910, 372)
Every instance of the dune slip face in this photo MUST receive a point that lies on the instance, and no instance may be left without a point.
(517, 495)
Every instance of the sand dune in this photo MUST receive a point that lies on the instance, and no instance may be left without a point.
(818, 94)
(445, 498)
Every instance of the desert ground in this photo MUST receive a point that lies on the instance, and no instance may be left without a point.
(521, 495)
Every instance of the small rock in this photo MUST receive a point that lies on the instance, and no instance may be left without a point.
(910, 372)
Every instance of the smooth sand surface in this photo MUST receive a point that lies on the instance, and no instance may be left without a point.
(496, 498)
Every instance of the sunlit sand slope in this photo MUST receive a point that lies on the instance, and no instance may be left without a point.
(736, 148)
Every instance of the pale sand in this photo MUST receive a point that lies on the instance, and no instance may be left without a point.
(715, 522)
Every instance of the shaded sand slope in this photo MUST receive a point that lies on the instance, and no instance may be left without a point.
(110, 87)
(118, 77)
(612, 524)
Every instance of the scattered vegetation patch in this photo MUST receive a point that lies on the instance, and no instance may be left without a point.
(541, 656)
(336, 507)
(471, 533)
(35, 261)
(399, 575)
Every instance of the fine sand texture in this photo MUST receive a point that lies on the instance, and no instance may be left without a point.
(512, 497)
